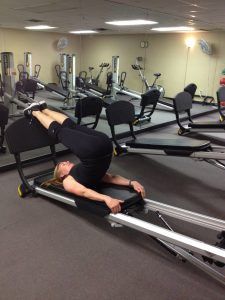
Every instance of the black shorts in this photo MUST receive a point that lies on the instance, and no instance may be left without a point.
(84, 142)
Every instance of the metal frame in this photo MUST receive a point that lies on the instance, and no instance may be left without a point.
(212, 157)
(181, 244)
(187, 129)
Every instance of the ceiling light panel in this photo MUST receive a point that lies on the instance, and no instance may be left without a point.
(131, 22)
(39, 27)
(174, 29)
(83, 31)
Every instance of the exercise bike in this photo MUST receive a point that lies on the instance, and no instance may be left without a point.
(160, 88)
(95, 81)
(148, 87)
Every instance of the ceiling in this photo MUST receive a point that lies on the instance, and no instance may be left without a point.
(70, 15)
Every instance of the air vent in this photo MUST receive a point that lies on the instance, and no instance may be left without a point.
(212, 29)
(35, 20)
(101, 29)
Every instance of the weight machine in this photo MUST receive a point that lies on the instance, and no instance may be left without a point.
(66, 71)
(25, 70)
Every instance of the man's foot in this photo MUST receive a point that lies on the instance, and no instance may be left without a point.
(32, 107)
(42, 105)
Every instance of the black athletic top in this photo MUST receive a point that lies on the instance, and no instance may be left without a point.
(93, 148)
(89, 172)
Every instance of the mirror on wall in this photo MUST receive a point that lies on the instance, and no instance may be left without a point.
(168, 61)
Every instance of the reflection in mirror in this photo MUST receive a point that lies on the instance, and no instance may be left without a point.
(114, 67)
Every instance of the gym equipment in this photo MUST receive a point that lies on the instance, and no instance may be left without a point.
(4, 115)
(66, 71)
(138, 68)
(118, 86)
(122, 112)
(89, 106)
(177, 244)
(116, 83)
(27, 87)
(91, 87)
(67, 77)
(86, 107)
(10, 88)
(25, 70)
(148, 101)
(183, 104)
(95, 81)
(81, 79)
(22, 73)
(90, 79)
(221, 102)
(134, 94)
(8, 78)
(62, 71)
(1, 87)
(161, 103)
(191, 89)
(148, 104)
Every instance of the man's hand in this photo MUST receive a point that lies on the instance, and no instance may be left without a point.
(138, 188)
(113, 204)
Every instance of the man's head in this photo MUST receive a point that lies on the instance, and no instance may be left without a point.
(62, 169)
